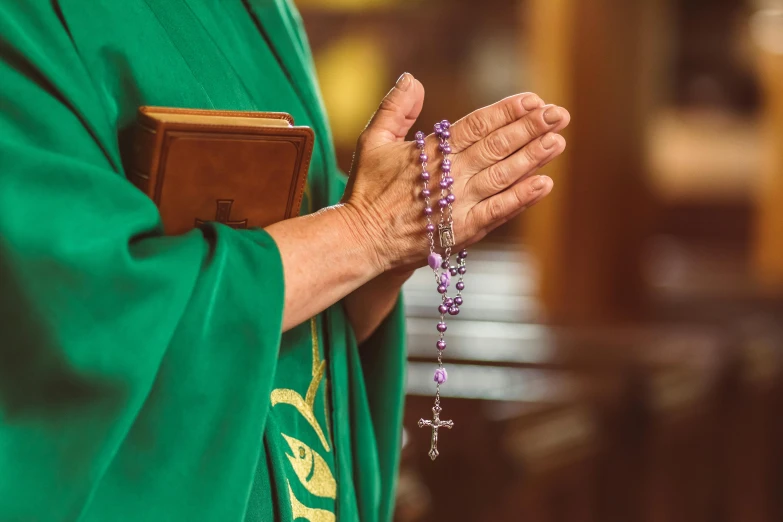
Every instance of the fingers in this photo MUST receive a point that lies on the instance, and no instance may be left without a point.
(396, 113)
(493, 211)
(505, 141)
(517, 213)
(502, 175)
(477, 125)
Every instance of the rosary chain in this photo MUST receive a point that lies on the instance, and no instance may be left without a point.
(442, 268)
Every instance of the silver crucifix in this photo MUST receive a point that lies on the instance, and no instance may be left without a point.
(435, 423)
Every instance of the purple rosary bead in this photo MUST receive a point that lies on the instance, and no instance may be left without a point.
(445, 278)
(462, 270)
(462, 254)
(441, 376)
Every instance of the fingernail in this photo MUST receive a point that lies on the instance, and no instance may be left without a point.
(552, 115)
(539, 182)
(531, 102)
(403, 82)
(549, 141)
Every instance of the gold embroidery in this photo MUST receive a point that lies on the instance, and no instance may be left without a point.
(292, 398)
(305, 405)
(326, 409)
(312, 515)
(320, 366)
(311, 468)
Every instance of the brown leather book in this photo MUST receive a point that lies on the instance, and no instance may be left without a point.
(242, 169)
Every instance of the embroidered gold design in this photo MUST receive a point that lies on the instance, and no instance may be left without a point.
(317, 364)
(312, 515)
(311, 468)
(326, 408)
(305, 405)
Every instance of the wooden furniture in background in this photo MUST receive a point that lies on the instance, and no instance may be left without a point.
(683, 414)
(595, 59)
(526, 444)
(769, 224)
(750, 430)
(650, 400)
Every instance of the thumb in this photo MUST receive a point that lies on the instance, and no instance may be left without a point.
(397, 113)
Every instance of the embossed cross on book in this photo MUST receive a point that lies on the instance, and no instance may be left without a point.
(189, 160)
(435, 423)
(223, 213)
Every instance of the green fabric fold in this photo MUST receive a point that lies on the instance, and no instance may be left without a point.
(136, 369)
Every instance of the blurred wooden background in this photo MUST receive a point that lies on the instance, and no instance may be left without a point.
(619, 354)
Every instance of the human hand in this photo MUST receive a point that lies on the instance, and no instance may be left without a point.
(496, 152)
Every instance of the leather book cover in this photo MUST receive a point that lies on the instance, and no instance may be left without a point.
(242, 169)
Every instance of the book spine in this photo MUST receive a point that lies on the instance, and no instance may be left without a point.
(143, 163)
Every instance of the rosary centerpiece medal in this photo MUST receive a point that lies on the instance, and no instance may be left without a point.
(441, 266)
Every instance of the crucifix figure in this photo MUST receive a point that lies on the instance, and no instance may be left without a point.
(223, 215)
(435, 423)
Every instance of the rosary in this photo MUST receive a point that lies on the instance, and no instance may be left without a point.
(440, 264)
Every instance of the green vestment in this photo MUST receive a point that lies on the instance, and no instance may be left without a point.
(145, 377)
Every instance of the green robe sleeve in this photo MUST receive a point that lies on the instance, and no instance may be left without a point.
(135, 369)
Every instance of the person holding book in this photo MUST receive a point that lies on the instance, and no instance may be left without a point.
(220, 374)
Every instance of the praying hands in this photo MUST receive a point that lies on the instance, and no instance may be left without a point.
(379, 227)
(495, 153)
